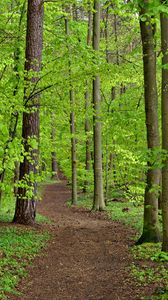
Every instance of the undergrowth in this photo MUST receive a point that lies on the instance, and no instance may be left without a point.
(126, 212)
(18, 247)
(151, 266)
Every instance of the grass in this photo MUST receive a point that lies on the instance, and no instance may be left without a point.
(6, 216)
(126, 212)
(151, 264)
(18, 247)
(151, 267)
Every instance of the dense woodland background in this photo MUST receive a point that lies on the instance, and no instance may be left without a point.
(63, 85)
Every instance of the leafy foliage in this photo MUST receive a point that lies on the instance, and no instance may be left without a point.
(18, 247)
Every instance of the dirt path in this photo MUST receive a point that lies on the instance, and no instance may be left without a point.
(87, 259)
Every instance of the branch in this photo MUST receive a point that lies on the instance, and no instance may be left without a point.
(129, 61)
(37, 93)
(47, 1)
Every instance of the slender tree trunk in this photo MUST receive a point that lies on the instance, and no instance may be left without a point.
(88, 141)
(116, 40)
(160, 194)
(150, 226)
(25, 210)
(98, 202)
(87, 104)
(54, 166)
(164, 45)
(107, 173)
(72, 127)
(53, 154)
(109, 157)
(109, 61)
(73, 150)
(112, 167)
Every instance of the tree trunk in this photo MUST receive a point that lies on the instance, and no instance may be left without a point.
(107, 173)
(98, 202)
(88, 141)
(25, 210)
(54, 166)
(72, 128)
(73, 150)
(116, 40)
(164, 45)
(150, 226)
(87, 104)
(113, 89)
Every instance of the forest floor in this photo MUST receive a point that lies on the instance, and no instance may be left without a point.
(87, 258)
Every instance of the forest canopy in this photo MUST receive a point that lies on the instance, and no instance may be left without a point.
(83, 88)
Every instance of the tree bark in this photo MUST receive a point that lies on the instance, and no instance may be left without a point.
(150, 227)
(25, 210)
(98, 202)
(72, 127)
(87, 104)
(54, 165)
(164, 46)
(73, 150)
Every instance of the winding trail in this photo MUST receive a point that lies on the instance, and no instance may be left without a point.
(87, 258)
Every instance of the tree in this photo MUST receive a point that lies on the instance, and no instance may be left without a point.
(54, 165)
(164, 47)
(98, 202)
(25, 210)
(150, 226)
(72, 123)
(87, 105)
(69, 66)
(14, 117)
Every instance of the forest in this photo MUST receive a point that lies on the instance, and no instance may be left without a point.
(84, 111)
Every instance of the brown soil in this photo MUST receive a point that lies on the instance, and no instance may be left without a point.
(87, 259)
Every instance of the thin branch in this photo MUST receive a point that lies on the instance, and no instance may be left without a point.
(37, 93)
